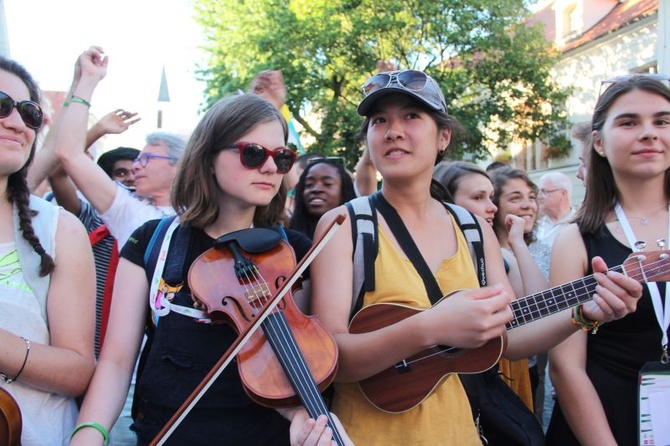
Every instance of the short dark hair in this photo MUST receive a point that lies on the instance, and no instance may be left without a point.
(107, 159)
(301, 220)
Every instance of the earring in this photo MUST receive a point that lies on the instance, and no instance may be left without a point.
(602, 154)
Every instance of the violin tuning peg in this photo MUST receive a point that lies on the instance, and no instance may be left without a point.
(660, 242)
(640, 245)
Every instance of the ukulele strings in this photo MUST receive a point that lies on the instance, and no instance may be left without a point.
(653, 269)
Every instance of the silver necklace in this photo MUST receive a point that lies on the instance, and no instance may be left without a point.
(644, 221)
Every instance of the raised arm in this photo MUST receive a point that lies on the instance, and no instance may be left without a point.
(113, 123)
(89, 178)
(365, 175)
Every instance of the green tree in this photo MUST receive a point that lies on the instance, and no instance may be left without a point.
(494, 71)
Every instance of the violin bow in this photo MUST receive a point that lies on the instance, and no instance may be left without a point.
(244, 336)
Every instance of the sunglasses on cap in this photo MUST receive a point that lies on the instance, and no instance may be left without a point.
(411, 80)
(254, 155)
(604, 85)
(416, 83)
(30, 111)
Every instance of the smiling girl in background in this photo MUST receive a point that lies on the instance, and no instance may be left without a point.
(47, 289)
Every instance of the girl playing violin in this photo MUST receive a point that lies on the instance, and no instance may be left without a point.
(229, 179)
(407, 130)
(47, 291)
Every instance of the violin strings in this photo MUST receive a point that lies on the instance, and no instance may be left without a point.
(289, 353)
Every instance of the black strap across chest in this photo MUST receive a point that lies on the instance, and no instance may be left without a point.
(407, 244)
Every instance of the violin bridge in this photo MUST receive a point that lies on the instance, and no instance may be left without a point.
(257, 291)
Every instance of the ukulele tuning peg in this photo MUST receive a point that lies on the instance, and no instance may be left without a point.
(660, 242)
(640, 245)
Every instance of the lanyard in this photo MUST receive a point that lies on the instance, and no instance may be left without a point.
(158, 298)
(662, 314)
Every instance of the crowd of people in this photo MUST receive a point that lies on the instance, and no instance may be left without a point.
(106, 333)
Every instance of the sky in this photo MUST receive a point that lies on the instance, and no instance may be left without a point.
(140, 37)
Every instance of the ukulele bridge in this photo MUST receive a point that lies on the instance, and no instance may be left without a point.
(403, 367)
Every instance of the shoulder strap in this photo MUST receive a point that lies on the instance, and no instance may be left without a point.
(154, 246)
(364, 237)
(470, 228)
(407, 244)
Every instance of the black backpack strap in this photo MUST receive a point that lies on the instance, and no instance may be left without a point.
(470, 228)
(407, 244)
(364, 237)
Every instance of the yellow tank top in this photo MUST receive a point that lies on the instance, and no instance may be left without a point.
(444, 418)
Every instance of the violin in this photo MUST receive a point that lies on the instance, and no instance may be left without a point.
(10, 420)
(245, 281)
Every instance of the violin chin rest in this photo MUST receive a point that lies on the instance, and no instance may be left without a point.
(254, 240)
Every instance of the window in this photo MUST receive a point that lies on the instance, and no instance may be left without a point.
(570, 20)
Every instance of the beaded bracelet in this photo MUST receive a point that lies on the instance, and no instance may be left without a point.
(97, 426)
(23, 366)
(77, 100)
(583, 322)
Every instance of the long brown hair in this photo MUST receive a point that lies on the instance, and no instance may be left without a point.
(602, 193)
(194, 190)
(500, 177)
(17, 186)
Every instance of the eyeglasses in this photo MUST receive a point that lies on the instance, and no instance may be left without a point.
(604, 85)
(547, 191)
(30, 111)
(144, 158)
(254, 155)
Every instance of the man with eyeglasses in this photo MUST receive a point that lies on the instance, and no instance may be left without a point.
(121, 209)
(555, 206)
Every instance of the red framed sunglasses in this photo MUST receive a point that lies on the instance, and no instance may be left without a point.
(254, 155)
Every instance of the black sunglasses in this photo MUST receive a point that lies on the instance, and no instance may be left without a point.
(30, 111)
(604, 85)
(254, 155)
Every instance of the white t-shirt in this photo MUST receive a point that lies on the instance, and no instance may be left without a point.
(128, 212)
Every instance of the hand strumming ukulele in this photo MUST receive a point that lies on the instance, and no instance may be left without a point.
(406, 384)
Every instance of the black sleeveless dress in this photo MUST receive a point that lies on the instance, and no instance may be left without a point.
(615, 355)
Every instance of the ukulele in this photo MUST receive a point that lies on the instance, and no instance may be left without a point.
(10, 420)
(406, 384)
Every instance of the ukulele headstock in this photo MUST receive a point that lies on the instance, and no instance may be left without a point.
(648, 266)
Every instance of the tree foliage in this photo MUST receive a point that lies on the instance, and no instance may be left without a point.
(494, 71)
